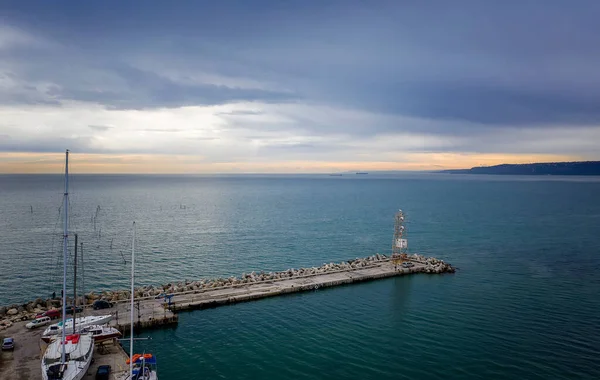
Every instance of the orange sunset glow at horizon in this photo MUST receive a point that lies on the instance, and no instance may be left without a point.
(86, 163)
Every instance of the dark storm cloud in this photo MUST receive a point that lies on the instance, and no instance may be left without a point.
(47, 145)
(301, 147)
(479, 103)
(487, 63)
(140, 89)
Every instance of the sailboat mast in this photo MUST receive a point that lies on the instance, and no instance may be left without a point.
(65, 247)
(131, 314)
(75, 288)
(83, 281)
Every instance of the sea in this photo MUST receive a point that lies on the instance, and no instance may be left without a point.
(524, 303)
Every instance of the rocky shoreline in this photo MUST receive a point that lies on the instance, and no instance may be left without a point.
(20, 312)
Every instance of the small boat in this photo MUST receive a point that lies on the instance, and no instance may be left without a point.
(78, 351)
(362, 173)
(144, 367)
(101, 333)
(80, 322)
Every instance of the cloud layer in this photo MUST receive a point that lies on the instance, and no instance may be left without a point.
(264, 83)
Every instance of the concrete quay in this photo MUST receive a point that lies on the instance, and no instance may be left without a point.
(147, 314)
(228, 295)
(153, 311)
(149, 299)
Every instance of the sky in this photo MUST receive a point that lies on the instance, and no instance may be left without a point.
(296, 86)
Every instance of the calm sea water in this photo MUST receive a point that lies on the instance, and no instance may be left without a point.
(525, 303)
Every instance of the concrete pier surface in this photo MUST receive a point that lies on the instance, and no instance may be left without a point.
(155, 309)
(218, 297)
(153, 312)
(150, 299)
(147, 313)
(24, 362)
(112, 354)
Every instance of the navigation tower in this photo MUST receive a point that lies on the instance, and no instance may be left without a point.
(400, 244)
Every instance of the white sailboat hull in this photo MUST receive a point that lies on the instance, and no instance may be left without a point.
(75, 371)
(79, 356)
(81, 323)
(102, 333)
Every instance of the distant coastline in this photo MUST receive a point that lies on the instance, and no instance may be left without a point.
(580, 168)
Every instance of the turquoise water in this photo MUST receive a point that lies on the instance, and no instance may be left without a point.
(524, 303)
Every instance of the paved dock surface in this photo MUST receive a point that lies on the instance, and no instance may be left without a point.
(147, 313)
(24, 363)
(227, 295)
(151, 309)
(109, 353)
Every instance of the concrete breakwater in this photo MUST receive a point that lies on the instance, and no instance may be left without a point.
(338, 274)
(185, 292)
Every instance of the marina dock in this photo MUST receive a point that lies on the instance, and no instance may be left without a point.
(154, 311)
(23, 363)
(220, 297)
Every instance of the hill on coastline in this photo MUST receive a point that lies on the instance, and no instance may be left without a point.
(550, 168)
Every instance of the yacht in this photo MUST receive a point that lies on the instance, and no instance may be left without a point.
(80, 322)
(101, 333)
(78, 350)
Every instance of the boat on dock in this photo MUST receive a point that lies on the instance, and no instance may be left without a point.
(69, 357)
(101, 333)
(82, 322)
(78, 348)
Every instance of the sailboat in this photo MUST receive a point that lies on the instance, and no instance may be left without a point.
(101, 333)
(91, 320)
(141, 366)
(70, 357)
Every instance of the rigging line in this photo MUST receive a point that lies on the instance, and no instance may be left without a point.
(73, 216)
(54, 279)
(72, 227)
(73, 191)
(83, 276)
(53, 236)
